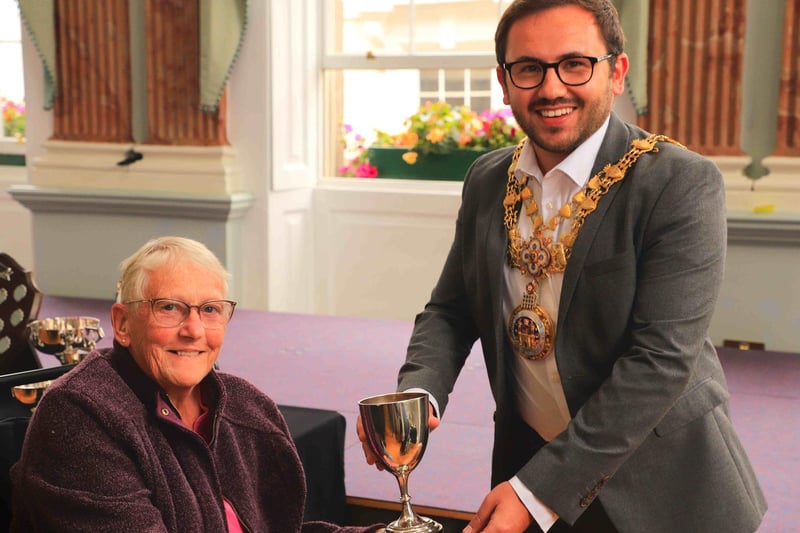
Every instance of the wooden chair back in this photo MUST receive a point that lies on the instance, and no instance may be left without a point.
(20, 299)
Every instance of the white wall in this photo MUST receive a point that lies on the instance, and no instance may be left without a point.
(381, 244)
(760, 298)
(15, 220)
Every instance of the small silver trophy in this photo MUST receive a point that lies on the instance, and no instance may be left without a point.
(68, 338)
(396, 426)
(29, 394)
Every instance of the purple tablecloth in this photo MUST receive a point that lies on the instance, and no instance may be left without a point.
(331, 363)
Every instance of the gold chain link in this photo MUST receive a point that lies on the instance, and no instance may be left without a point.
(583, 203)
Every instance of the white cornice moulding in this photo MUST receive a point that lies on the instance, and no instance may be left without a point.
(767, 229)
(779, 191)
(93, 166)
(164, 205)
(764, 212)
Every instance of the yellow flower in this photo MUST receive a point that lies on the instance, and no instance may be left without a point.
(408, 139)
(410, 157)
(435, 135)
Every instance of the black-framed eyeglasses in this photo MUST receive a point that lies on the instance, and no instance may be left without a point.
(574, 70)
(168, 312)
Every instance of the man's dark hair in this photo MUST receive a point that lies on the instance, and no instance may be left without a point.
(603, 10)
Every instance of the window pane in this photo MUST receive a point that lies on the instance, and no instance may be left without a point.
(361, 98)
(12, 88)
(382, 100)
(11, 84)
(363, 101)
(374, 26)
(429, 81)
(454, 80)
(385, 27)
(9, 21)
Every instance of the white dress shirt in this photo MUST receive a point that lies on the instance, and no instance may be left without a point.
(539, 394)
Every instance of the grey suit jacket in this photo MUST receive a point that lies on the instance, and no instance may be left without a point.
(650, 434)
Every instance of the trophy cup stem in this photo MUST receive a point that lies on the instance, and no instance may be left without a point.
(407, 517)
(410, 521)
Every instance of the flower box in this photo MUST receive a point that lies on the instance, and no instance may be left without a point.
(439, 142)
(445, 167)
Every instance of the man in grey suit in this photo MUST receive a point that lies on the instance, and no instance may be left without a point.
(588, 261)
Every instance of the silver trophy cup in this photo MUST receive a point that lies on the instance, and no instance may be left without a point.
(396, 426)
(29, 394)
(68, 338)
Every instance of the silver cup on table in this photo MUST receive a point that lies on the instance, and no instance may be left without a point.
(396, 426)
(68, 338)
(29, 394)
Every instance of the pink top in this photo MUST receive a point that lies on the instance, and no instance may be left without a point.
(233, 521)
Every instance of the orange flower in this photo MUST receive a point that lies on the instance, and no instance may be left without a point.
(435, 135)
(410, 157)
(407, 138)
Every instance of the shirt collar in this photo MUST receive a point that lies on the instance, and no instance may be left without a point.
(577, 165)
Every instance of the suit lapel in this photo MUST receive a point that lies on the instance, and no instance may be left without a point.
(615, 144)
(496, 244)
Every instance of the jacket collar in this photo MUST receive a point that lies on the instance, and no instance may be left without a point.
(616, 142)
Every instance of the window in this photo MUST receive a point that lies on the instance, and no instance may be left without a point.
(12, 88)
(383, 59)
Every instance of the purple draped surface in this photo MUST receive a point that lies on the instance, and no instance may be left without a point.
(332, 362)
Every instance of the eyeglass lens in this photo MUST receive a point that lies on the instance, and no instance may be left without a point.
(213, 314)
(571, 71)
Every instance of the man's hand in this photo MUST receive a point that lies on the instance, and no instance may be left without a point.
(433, 423)
(501, 510)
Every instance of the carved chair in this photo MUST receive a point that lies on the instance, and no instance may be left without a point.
(20, 299)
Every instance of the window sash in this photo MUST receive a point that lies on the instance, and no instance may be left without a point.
(411, 61)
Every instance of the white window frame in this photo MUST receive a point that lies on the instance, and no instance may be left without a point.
(377, 61)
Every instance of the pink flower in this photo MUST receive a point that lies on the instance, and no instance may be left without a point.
(365, 170)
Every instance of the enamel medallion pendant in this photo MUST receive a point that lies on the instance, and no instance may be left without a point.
(530, 328)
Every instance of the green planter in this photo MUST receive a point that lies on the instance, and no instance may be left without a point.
(450, 167)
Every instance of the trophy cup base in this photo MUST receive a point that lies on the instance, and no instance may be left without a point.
(424, 525)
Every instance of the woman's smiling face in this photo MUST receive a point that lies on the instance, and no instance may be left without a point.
(176, 357)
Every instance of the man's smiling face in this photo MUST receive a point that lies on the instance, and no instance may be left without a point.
(557, 117)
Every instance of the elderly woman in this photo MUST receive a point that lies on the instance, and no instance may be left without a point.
(147, 436)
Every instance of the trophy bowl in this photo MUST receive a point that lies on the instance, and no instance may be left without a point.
(396, 426)
(68, 338)
(29, 394)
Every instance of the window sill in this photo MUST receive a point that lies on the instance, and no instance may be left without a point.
(391, 185)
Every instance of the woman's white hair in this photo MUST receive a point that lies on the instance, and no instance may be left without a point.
(135, 270)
